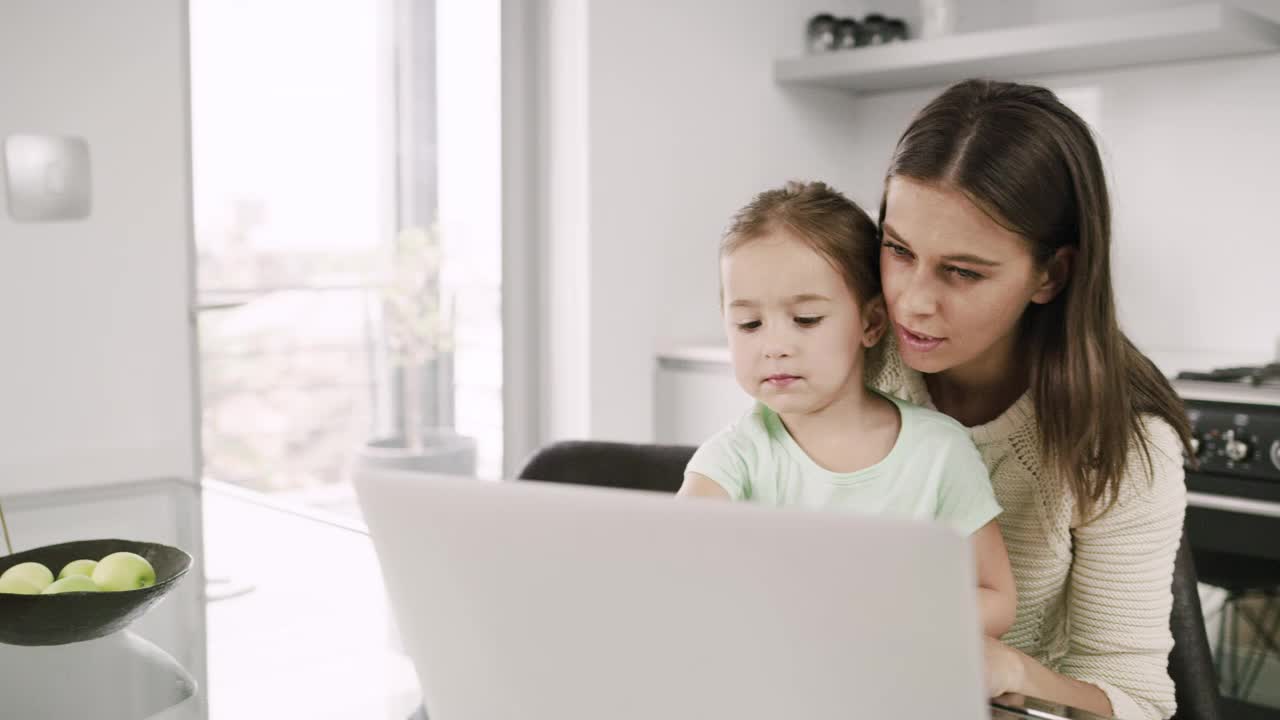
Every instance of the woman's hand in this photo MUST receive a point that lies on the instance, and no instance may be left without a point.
(1004, 669)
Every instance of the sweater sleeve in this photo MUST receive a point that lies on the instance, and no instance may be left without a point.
(1120, 593)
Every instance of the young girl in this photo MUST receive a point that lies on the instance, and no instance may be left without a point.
(801, 301)
(997, 276)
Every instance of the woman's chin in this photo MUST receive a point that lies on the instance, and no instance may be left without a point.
(928, 362)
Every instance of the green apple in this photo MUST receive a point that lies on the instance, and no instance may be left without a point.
(78, 567)
(32, 572)
(124, 571)
(71, 583)
(14, 585)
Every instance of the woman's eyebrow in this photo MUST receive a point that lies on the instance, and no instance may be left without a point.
(971, 259)
(961, 257)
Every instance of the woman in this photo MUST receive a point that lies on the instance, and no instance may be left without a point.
(995, 264)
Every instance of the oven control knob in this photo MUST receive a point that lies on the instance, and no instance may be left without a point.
(1236, 450)
(1195, 445)
(1275, 454)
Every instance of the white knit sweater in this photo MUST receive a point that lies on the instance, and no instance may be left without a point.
(1093, 597)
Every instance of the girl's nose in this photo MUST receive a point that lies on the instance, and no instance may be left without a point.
(778, 344)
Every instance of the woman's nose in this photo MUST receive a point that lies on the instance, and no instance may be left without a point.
(919, 298)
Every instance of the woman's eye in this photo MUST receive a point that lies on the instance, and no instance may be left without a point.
(749, 325)
(964, 274)
(897, 249)
(809, 321)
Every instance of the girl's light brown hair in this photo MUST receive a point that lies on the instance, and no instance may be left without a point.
(1031, 164)
(822, 218)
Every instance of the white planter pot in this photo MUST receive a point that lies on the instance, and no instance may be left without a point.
(443, 452)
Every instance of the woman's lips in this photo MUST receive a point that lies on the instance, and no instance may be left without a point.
(917, 341)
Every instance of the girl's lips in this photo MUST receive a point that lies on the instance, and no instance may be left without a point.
(917, 342)
(781, 381)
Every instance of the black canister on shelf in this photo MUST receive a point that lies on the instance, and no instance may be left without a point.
(849, 34)
(897, 29)
(875, 28)
(820, 33)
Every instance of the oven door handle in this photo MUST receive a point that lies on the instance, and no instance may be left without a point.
(1245, 506)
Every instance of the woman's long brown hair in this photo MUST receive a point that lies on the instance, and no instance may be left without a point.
(1031, 164)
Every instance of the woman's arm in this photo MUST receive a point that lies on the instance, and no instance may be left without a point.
(1012, 671)
(997, 594)
(1119, 600)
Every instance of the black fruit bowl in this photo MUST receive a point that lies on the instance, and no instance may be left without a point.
(64, 618)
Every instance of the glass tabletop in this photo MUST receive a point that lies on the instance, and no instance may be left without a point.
(295, 621)
(298, 620)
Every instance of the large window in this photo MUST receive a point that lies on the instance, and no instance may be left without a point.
(314, 149)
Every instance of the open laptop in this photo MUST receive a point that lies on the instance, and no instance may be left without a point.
(535, 601)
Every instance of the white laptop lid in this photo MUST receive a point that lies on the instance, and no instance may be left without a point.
(544, 602)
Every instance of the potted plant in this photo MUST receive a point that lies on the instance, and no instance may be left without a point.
(419, 336)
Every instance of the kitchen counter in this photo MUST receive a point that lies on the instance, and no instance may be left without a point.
(712, 355)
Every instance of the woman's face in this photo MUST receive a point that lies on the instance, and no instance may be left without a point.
(955, 281)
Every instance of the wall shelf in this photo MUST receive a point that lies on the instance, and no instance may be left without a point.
(1192, 32)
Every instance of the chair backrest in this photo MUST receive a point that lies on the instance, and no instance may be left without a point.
(1191, 662)
(619, 465)
(661, 468)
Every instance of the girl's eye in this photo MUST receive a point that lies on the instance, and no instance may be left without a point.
(749, 325)
(964, 274)
(897, 249)
(809, 321)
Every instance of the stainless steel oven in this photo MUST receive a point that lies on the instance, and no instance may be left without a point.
(1233, 524)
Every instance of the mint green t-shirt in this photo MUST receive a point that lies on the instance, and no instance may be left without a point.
(933, 470)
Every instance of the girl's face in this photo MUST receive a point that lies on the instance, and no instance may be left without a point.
(955, 281)
(796, 333)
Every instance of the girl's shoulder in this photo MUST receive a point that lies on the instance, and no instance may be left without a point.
(751, 430)
(926, 425)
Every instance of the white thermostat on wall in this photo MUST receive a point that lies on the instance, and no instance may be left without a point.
(46, 177)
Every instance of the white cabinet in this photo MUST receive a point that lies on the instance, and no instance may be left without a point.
(695, 395)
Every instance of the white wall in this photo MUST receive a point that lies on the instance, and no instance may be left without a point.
(662, 119)
(678, 122)
(96, 382)
(561, 194)
(1192, 151)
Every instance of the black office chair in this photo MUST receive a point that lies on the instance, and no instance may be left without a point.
(619, 465)
(1191, 667)
(661, 468)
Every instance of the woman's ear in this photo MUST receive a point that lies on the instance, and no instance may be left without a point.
(875, 321)
(1054, 276)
